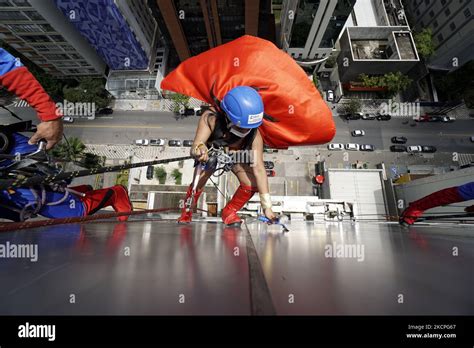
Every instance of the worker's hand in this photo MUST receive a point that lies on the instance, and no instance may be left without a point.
(199, 152)
(51, 131)
(269, 214)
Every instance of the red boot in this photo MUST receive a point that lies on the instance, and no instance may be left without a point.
(442, 197)
(115, 196)
(187, 214)
(240, 197)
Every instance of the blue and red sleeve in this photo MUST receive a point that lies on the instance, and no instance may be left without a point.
(16, 78)
(467, 191)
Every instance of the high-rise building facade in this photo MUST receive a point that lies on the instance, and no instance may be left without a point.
(310, 28)
(452, 25)
(39, 31)
(195, 26)
(126, 35)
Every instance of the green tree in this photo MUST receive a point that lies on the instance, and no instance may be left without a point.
(180, 102)
(71, 151)
(394, 82)
(354, 106)
(177, 176)
(424, 43)
(89, 90)
(160, 173)
(74, 151)
(330, 62)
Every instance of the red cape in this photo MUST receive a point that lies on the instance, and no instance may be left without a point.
(304, 118)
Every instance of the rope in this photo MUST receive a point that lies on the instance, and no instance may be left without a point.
(22, 181)
(15, 226)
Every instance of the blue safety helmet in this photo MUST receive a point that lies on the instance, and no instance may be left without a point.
(244, 107)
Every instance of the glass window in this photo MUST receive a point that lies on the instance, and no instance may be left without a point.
(23, 3)
(5, 3)
(35, 38)
(34, 15)
(452, 26)
(431, 14)
(7, 15)
(447, 12)
(440, 37)
(303, 21)
(467, 13)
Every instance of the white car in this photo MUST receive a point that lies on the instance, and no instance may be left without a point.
(330, 96)
(414, 149)
(352, 147)
(68, 119)
(472, 139)
(157, 142)
(335, 147)
(143, 142)
(358, 133)
(448, 119)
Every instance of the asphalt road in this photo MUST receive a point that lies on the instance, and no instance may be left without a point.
(123, 127)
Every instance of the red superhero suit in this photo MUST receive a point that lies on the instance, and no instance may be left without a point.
(287, 93)
(439, 198)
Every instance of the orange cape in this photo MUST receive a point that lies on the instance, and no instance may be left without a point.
(287, 92)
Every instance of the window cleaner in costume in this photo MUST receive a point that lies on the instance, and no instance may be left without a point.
(439, 198)
(53, 202)
(259, 95)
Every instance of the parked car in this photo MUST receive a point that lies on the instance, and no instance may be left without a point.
(149, 172)
(368, 117)
(68, 119)
(175, 143)
(435, 118)
(383, 117)
(353, 117)
(269, 164)
(330, 96)
(414, 149)
(188, 143)
(428, 149)
(472, 139)
(188, 112)
(352, 147)
(335, 147)
(422, 118)
(448, 119)
(398, 148)
(367, 147)
(105, 111)
(399, 140)
(142, 142)
(358, 133)
(157, 142)
(270, 173)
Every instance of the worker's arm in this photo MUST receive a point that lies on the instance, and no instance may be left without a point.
(16, 78)
(260, 174)
(203, 132)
